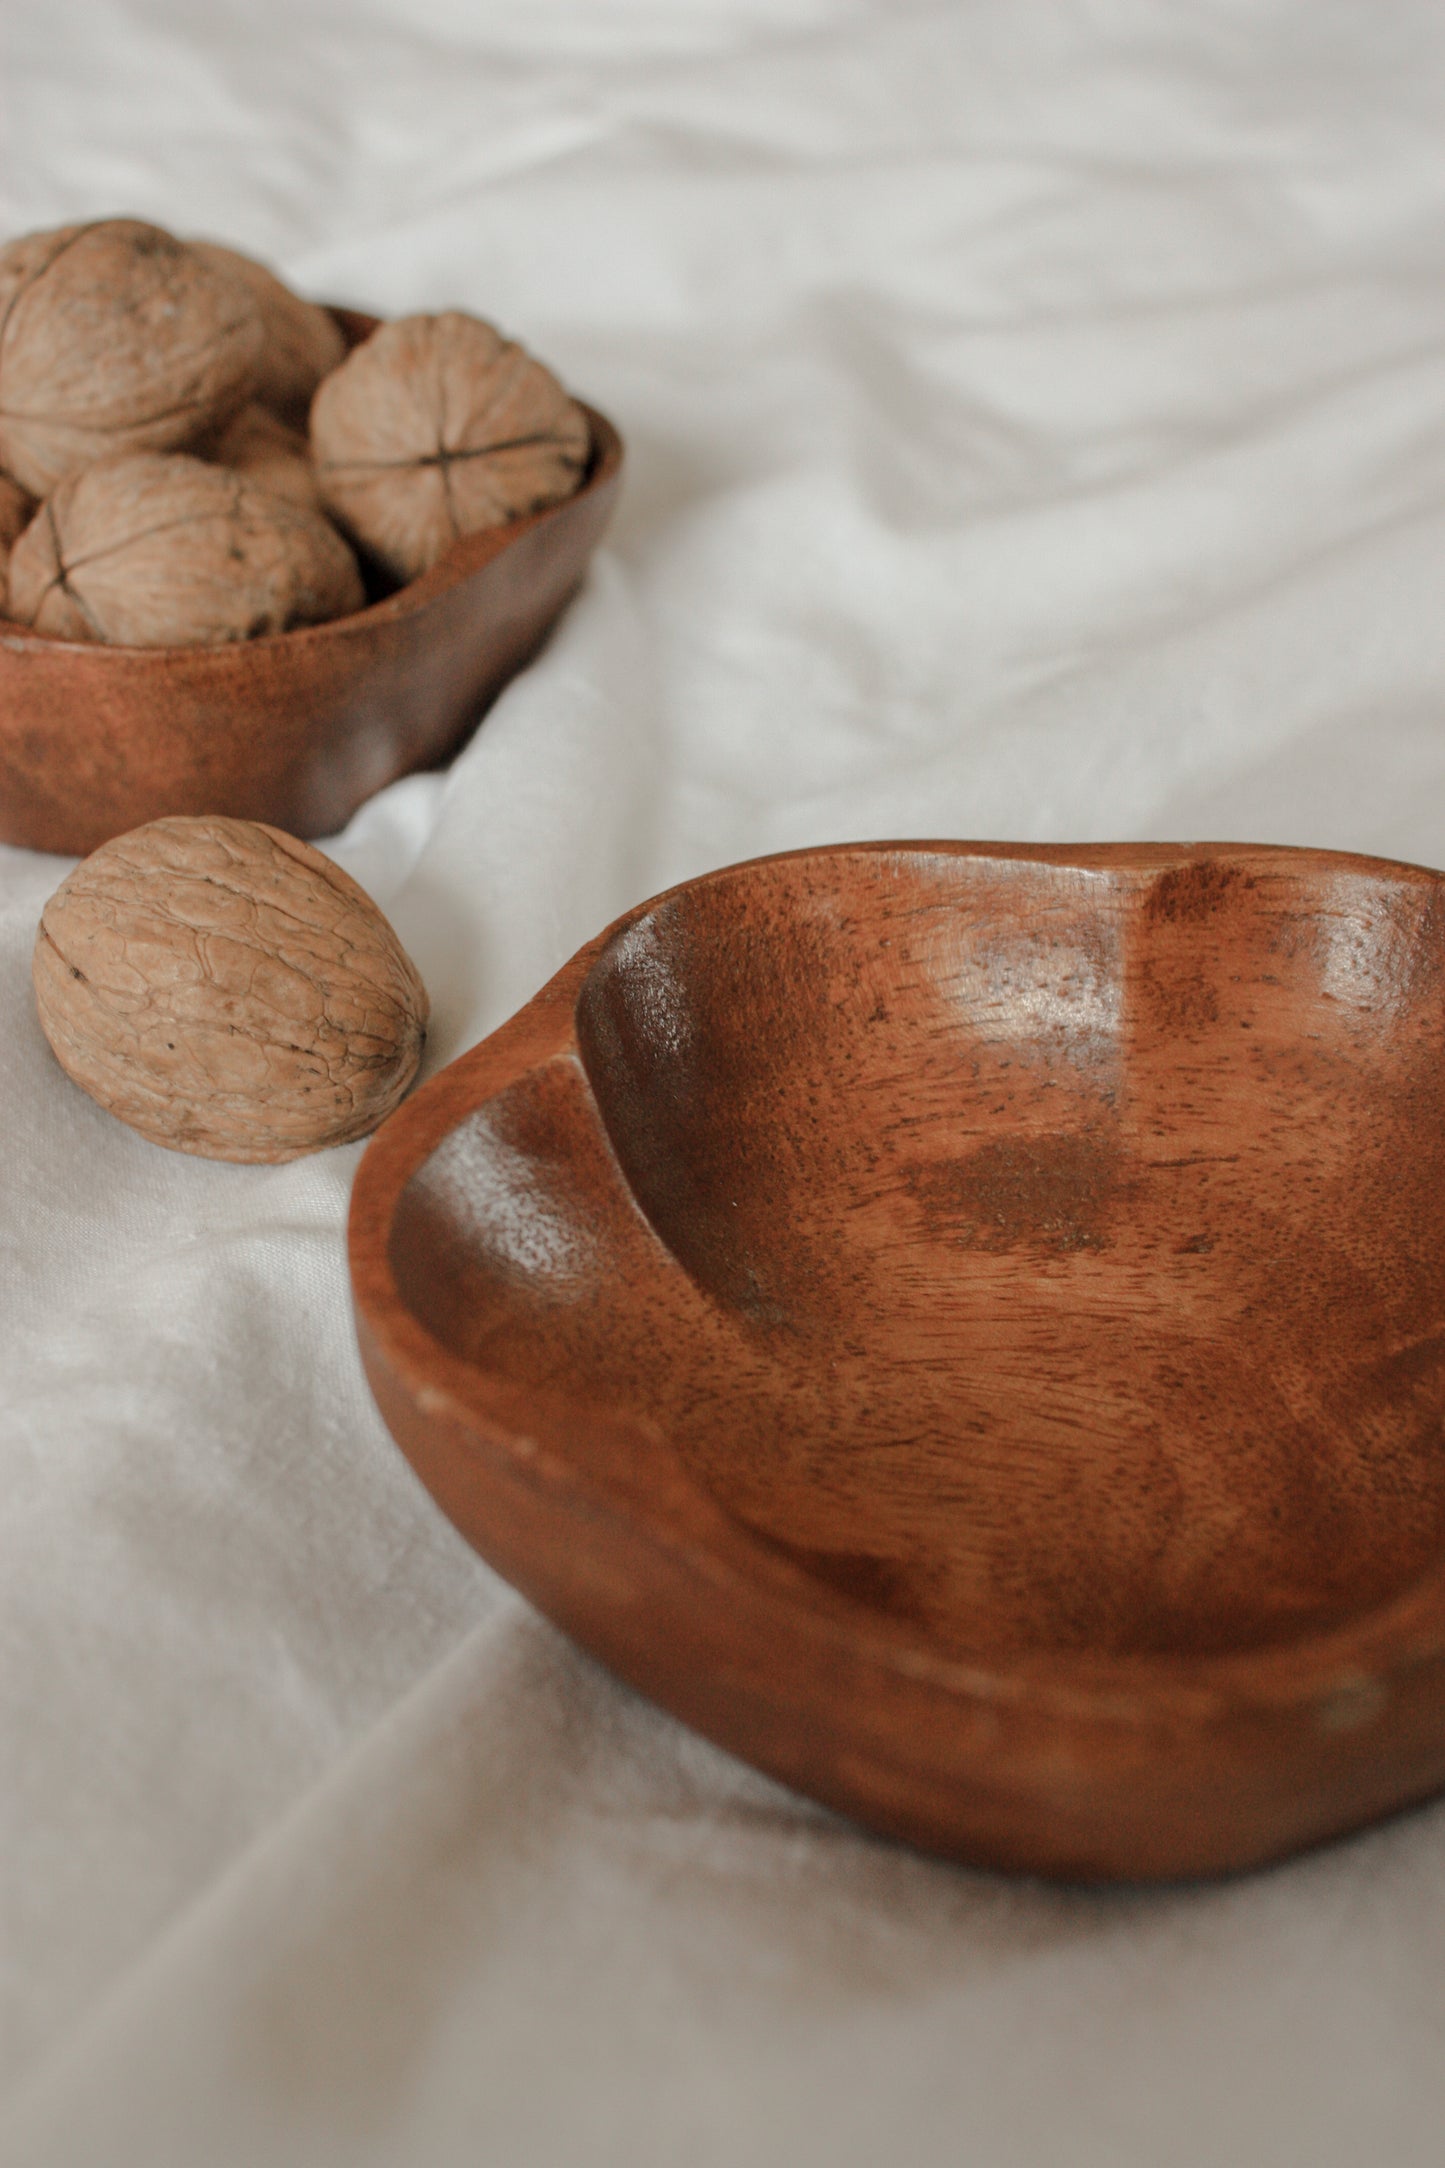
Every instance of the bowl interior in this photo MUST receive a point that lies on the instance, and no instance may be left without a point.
(1049, 1255)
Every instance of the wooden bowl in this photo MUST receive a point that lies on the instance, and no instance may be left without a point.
(299, 728)
(963, 1325)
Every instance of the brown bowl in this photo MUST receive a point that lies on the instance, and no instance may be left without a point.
(300, 728)
(961, 1325)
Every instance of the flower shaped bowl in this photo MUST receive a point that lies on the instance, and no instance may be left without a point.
(299, 728)
(963, 1326)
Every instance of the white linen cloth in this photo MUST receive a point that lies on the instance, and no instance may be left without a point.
(1036, 426)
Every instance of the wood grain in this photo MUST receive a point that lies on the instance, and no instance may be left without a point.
(300, 728)
(964, 1326)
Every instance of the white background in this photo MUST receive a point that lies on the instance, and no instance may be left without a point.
(1036, 425)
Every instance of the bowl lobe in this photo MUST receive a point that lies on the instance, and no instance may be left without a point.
(1029, 1262)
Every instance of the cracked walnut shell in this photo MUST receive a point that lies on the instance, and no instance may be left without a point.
(115, 337)
(168, 551)
(435, 427)
(228, 991)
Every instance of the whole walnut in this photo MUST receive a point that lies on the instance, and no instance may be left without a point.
(228, 991)
(115, 337)
(15, 511)
(167, 551)
(436, 426)
(260, 446)
(301, 340)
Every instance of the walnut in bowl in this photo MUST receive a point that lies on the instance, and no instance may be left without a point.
(115, 337)
(162, 550)
(437, 427)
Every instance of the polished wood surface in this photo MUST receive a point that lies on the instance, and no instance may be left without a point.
(300, 728)
(964, 1326)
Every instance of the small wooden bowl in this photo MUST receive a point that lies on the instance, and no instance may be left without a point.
(300, 728)
(961, 1325)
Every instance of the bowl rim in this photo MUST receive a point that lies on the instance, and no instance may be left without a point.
(1326, 1669)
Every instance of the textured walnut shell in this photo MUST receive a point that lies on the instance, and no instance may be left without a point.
(262, 447)
(115, 337)
(301, 341)
(228, 991)
(437, 426)
(15, 512)
(155, 551)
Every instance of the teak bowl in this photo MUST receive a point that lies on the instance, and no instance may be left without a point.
(963, 1325)
(300, 728)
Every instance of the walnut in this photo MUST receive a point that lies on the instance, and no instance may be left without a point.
(115, 337)
(228, 991)
(166, 551)
(262, 448)
(436, 426)
(302, 341)
(15, 511)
